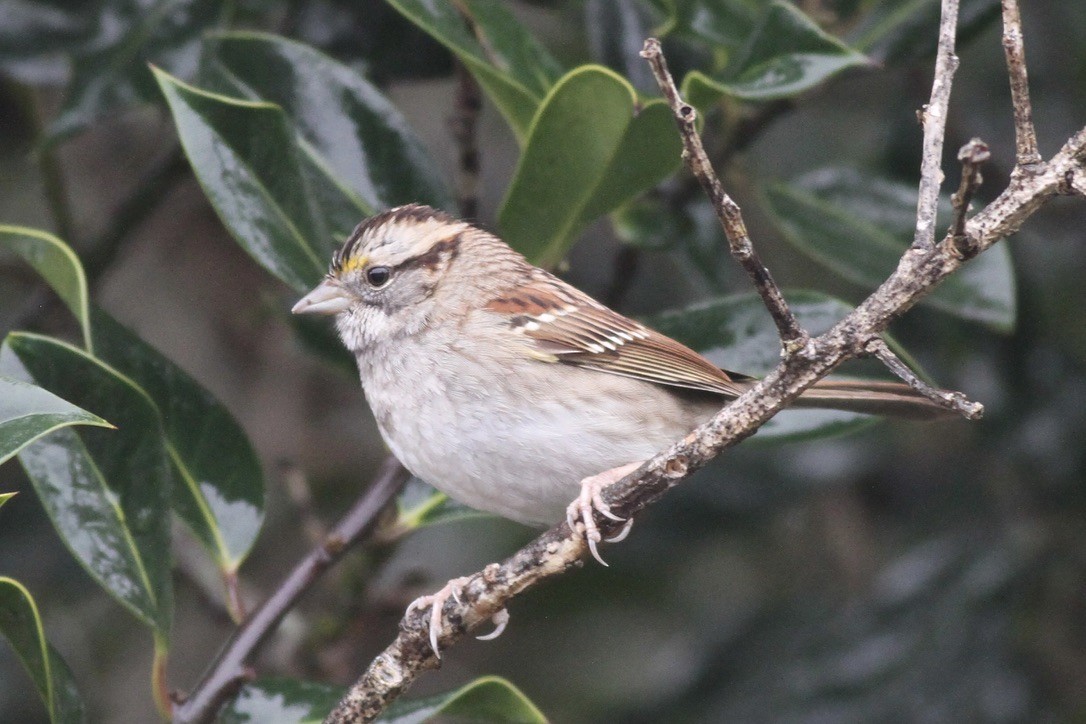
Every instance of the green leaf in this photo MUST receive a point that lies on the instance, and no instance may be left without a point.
(902, 31)
(5, 497)
(57, 264)
(220, 494)
(736, 333)
(363, 156)
(511, 67)
(726, 24)
(859, 225)
(28, 412)
(420, 505)
(106, 491)
(245, 156)
(787, 54)
(486, 699)
(21, 624)
(590, 149)
(109, 70)
(281, 700)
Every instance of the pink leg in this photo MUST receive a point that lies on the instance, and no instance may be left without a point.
(591, 500)
(436, 602)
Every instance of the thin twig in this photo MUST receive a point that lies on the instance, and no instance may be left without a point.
(955, 401)
(1025, 137)
(229, 670)
(972, 155)
(793, 337)
(462, 123)
(933, 119)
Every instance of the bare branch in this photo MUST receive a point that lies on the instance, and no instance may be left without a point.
(955, 401)
(1025, 137)
(793, 337)
(229, 671)
(972, 155)
(462, 123)
(933, 119)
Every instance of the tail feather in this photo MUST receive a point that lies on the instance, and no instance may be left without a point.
(871, 397)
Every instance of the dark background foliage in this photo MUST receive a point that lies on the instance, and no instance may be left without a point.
(915, 572)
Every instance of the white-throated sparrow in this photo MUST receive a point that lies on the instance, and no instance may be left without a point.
(511, 390)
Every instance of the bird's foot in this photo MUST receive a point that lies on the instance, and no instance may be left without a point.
(436, 603)
(591, 500)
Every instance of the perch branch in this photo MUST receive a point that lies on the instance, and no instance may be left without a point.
(933, 119)
(1025, 137)
(919, 271)
(793, 337)
(229, 671)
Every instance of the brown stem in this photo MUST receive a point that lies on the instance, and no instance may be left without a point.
(229, 671)
(933, 119)
(793, 337)
(1025, 137)
(972, 155)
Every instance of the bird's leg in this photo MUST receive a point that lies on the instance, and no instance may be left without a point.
(436, 602)
(591, 500)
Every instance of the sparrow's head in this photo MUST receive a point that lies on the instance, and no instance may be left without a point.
(397, 270)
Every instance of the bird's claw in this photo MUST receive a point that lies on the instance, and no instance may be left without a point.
(436, 603)
(590, 501)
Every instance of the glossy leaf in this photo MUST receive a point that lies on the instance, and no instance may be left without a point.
(737, 334)
(5, 497)
(591, 148)
(787, 54)
(858, 225)
(511, 67)
(245, 157)
(489, 699)
(900, 31)
(109, 71)
(420, 505)
(356, 143)
(281, 700)
(726, 24)
(57, 264)
(106, 491)
(219, 490)
(21, 625)
(27, 412)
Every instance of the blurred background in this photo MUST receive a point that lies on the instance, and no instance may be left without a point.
(906, 572)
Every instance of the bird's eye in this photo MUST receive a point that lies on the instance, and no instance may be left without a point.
(378, 276)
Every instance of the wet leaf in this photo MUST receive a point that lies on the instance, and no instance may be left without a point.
(245, 156)
(591, 148)
(27, 412)
(354, 141)
(858, 225)
(107, 492)
(511, 67)
(21, 625)
(787, 54)
(220, 486)
(57, 264)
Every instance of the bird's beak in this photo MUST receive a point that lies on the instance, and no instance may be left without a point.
(328, 297)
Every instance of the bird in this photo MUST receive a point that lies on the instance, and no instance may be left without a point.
(511, 390)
